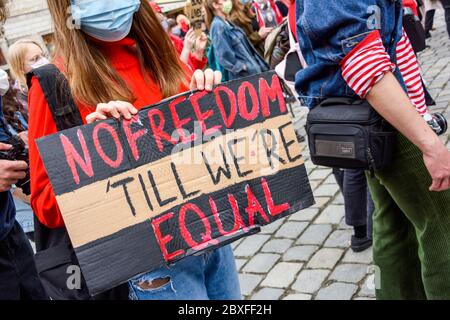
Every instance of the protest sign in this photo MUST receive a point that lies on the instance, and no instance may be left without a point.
(189, 174)
(193, 10)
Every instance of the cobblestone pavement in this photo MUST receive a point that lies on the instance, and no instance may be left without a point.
(307, 256)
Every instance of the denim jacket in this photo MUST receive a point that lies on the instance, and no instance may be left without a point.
(234, 51)
(329, 29)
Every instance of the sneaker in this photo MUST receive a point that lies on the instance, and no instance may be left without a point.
(360, 244)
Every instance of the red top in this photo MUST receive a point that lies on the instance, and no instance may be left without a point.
(292, 19)
(412, 5)
(122, 57)
(193, 62)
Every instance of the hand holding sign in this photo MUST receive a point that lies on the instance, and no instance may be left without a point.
(112, 109)
(201, 80)
(205, 80)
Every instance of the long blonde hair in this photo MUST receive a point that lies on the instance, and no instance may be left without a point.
(91, 77)
(16, 59)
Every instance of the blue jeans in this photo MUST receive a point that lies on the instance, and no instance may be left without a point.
(211, 276)
(24, 216)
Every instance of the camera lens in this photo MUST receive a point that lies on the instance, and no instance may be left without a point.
(440, 119)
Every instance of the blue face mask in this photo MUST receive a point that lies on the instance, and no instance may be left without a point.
(105, 20)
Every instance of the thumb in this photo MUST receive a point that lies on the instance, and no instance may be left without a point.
(5, 147)
(435, 186)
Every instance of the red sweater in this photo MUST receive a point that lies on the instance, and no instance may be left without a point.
(123, 58)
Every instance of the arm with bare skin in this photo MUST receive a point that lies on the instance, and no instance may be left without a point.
(392, 103)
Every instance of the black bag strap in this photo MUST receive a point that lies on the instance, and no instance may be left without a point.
(340, 101)
(59, 98)
(53, 245)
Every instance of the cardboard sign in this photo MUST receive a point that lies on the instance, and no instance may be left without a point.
(193, 11)
(190, 174)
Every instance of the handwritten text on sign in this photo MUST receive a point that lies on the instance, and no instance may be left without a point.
(189, 174)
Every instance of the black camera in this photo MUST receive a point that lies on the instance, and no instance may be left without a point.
(19, 152)
(438, 123)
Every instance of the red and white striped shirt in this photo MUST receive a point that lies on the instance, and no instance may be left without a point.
(367, 63)
(410, 70)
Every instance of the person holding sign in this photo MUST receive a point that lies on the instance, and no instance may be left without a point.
(117, 58)
(233, 50)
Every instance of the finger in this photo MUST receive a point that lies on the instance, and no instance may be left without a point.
(108, 110)
(124, 112)
(5, 187)
(436, 184)
(112, 107)
(445, 184)
(217, 77)
(5, 147)
(10, 177)
(10, 182)
(17, 166)
(90, 118)
(93, 117)
(18, 175)
(129, 106)
(198, 80)
(209, 79)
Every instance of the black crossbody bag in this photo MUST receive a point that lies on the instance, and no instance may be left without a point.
(349, 134)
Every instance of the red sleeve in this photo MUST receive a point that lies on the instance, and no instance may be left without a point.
(41, 124)
(195, 64)
(366, 64)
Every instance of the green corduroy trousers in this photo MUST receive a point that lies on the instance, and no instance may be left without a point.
(411, 228)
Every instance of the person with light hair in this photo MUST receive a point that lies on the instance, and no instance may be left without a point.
(24, 56)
